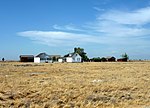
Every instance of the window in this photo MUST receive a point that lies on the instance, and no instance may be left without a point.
(78, 59)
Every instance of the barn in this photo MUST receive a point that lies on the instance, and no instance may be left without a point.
(111, 59)
(26, 58)
(122, 60)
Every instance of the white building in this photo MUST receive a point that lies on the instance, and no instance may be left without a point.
(36, 59)
(45, 58)
(73, 58)
(60, 60)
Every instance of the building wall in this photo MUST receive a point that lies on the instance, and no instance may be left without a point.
(36, 59)
(69, 59)
(122, 60)
(76, 58)
(46, 61)
(60, 60)
(27, 59)
(112, 59)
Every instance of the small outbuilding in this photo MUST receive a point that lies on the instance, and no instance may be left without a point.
(36, 59)
(61, 59)
(26, 58)
(122, 60)
(111, 59)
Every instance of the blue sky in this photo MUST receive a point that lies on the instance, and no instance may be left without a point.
(101, 27)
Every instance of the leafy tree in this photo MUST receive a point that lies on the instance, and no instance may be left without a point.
(3, 59)
(81, 52)
(97, 59)
(54, 58)
(125, 56)
(103, 59)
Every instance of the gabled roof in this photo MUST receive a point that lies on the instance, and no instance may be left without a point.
(71, 54)
(122, 58)
(26, 55)
(61, 57)
(42, 55)
(109, 57)
(57, 56)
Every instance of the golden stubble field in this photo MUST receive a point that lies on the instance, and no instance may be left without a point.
(75, 85)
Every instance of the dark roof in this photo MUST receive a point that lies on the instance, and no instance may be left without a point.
(110, 57)
(122, 59)
(69, 55)
(57, 56)
(42, 54)
(61, 58)
(26, 55)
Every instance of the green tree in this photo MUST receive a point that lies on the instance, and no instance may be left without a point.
(81, 52)
(96, 59)
(103, 59)
(54, 58)
(125, 55)
(3, 59)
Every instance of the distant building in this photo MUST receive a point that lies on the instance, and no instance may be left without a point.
(54, 57)
(36, 59)
(110, 59)
(122, 60)
(26, 58)
(72, 58)
(61, 59)
(44, 58)
(48, 58)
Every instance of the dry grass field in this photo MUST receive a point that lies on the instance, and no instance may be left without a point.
(75, 85)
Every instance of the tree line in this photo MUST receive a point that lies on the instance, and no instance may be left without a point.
(85, 58)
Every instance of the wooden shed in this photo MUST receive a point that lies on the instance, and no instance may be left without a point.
(26, 58)
(122, 60)
(111, 59)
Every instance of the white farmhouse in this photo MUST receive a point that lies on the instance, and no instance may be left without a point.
(73, 58)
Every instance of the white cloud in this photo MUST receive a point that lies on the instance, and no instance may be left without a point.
(123, 24)
(113, 28)
(137, 17)
(55, 38)
(69, 27)
(98, 9)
